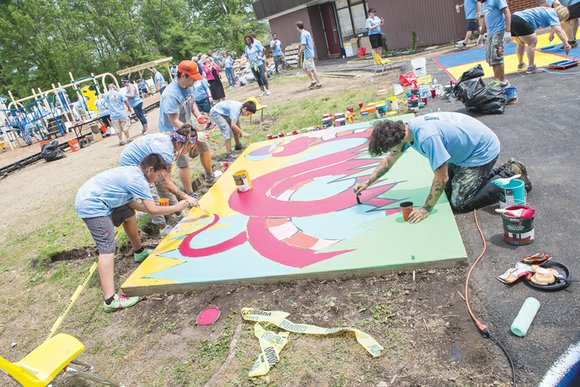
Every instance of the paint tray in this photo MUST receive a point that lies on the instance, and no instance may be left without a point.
(562, 65)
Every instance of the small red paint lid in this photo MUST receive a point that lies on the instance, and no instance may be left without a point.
(208, 316)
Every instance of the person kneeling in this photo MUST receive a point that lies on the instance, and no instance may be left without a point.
(105, 201)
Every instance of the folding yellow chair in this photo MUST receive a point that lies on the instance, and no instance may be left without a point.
(380, 63)
(44, 363)
(259, 108)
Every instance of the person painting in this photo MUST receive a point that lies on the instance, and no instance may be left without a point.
(373, 25)
(276, 46)
(212, 74)
(175, 109)
(461, 152)
(130, 91)
(497, 23)
(571, 25)
(226, 115)
(179, 143)
(524, 26)
(119, 117)
(106, 201)
(255, 54)
(471, 9)
(307, 50)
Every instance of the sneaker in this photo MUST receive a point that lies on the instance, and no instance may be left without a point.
(122, 142)
(521, 66)
(517, 167)
(267, 92)
(120, 301)
(534, 70)
(461, 45)
(163, 232)
(140, 257)
(499, 85)
(318, 86)
(573, 44)
(230, 157)
(262, 93)
(239, 147)
(312, 86)
(209, 179)
(179, 216)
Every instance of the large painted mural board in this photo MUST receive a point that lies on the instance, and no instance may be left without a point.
(301, 218)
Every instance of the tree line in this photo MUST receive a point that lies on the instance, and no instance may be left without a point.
(42, 40)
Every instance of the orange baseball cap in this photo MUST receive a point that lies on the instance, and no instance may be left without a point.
(190, 68)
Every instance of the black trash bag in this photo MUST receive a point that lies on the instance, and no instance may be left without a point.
(476, 96)
(51, 151)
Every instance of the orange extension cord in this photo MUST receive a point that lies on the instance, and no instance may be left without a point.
(482, 327)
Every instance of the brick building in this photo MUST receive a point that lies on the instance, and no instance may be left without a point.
(334, 24)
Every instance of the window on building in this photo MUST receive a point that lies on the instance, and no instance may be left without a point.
(351, 17)
(359, 17)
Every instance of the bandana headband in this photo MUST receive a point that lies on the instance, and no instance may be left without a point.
(182, 139)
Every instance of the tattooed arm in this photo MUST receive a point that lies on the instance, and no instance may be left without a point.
(440, 178)
(384, 166)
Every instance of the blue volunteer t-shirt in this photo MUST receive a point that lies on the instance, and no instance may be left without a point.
(102, 107)
(494, 18)
(253, 51)
(159, 77)
(200, 90)
(540, 17)
(565, 3)
(228, 108)
(276, 47)
(374, 21)
(115, 102)
(136, 100)
(453, 138)
(228, 62)
(171, 102)
(470, 9)
(137, 150)
(111, 189)
(306, 40)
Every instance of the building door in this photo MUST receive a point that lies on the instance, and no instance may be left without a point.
(330, 28)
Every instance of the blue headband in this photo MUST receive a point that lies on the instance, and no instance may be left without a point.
(180, 138)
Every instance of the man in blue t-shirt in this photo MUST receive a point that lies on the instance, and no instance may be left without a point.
(307, 52)
(160, 83)
(276, 46)
(117, 103)
(471, 9)
(226, 116)
(373, 25)
(461, 151)
(498, 24)
(107, 201)
(524, 26)
(176, 107)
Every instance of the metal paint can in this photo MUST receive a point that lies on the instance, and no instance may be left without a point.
(340, 122)
(518, 231)
(326, 123)
(242, 180)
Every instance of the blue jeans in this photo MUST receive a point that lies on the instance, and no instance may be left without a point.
(231, 76)
(140, 113)
(260, 75)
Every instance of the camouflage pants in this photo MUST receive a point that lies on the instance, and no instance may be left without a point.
(470, 187)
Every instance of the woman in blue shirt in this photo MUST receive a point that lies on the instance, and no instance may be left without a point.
(524, 25)
(255, 55)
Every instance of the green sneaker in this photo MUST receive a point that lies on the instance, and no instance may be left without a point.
(140, 257)
(120, 301)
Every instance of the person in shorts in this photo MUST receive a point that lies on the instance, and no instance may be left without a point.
(571, 24)
(119, 117)
(226, 116)
(106, 201)
(524, 25)
(373, 25)
(471, 9)
(497, 23)
(130, 91)
(307, 51)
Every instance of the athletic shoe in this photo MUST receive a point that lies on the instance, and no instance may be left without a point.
(318, 85)
(262, 93)
(268, 92)
(120, 301)
(122, 142)
(573, 44)
(499, 85)
(163, 232)
(229, 157)
(140, 257)
(239, 147)
(521, 66)
(534, 70)
(312, 86)
(209, 179)
(179, 216)
(517, 167)
(461, 46)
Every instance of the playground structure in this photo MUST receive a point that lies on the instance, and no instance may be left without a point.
(147, 66)
(47, 114)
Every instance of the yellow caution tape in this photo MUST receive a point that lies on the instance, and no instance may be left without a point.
(272, 343)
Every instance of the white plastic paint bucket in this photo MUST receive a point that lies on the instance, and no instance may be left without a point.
(419, 66)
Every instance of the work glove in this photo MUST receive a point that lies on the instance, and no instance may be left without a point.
(507, 37)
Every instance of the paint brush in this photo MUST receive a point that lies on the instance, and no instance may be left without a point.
(358, 198)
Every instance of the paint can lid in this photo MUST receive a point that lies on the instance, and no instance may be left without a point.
(208, 316)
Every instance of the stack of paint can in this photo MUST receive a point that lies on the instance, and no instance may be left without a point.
(381, 108)
(339, 119)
